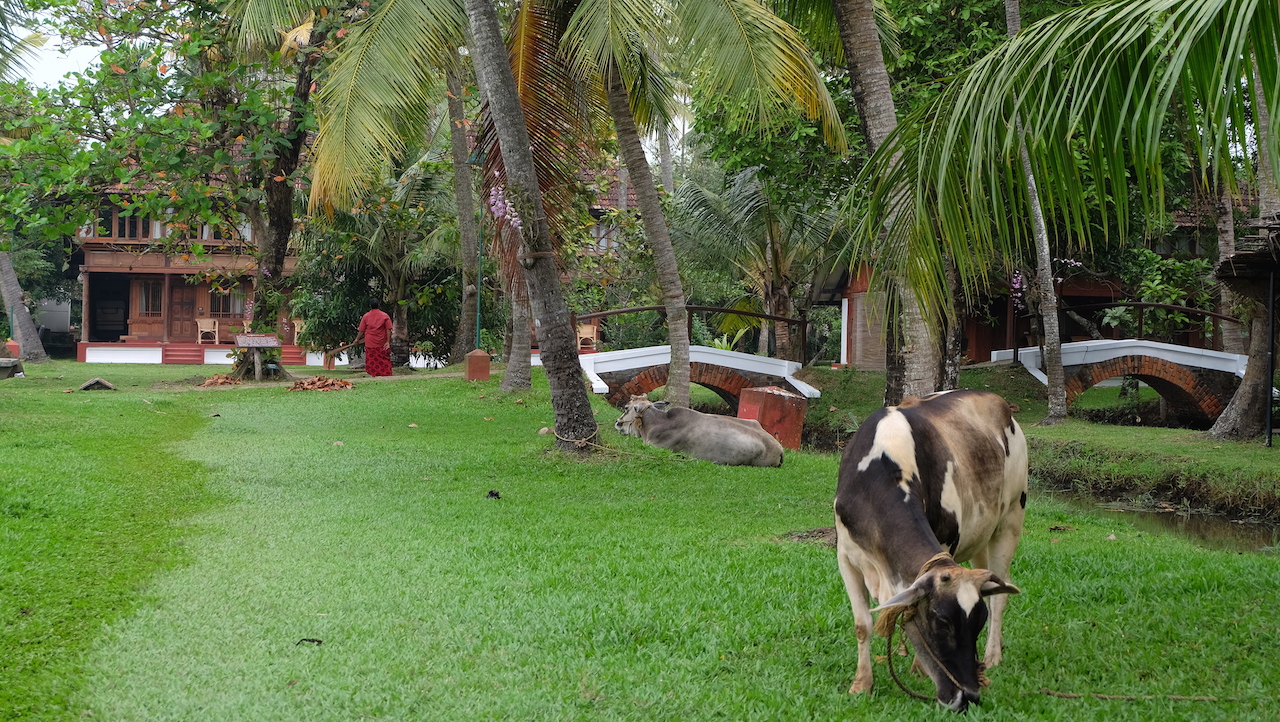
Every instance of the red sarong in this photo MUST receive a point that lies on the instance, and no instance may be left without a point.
(377, 361)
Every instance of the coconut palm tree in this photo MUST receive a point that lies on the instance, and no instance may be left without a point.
(772, 246)
(1091, 87)
(557, 342)
(862, 30)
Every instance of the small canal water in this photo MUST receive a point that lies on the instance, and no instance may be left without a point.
(1207, 530)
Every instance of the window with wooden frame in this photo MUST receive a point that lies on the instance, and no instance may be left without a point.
(113, 223)
(226, 304)
(151, 299)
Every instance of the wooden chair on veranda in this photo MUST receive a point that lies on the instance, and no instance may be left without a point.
(207, 330)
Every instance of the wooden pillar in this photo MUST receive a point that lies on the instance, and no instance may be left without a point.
(84, 305)
(165, 304)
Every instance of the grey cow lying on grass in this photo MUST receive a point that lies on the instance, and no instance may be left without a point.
(710, 437)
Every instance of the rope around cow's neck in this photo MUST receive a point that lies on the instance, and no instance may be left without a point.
(585, 442)
(903, 617)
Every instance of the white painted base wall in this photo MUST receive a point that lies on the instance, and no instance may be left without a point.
(218, 356)
(123, 355)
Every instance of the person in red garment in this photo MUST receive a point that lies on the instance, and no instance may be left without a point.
(375, 330)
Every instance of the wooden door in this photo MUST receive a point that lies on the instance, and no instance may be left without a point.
(182, 313)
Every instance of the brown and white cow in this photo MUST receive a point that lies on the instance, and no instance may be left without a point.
(710, 437)
(923, 486)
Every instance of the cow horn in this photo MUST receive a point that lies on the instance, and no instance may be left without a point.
(995, 585)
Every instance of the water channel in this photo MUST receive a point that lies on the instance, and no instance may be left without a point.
(1206, 530)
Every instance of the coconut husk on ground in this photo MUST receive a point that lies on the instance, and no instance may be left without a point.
(321, 383)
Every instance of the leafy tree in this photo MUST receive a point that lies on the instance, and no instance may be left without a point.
(401, 231)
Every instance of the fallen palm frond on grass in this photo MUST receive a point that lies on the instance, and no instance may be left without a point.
(221, 380)
(321, 383)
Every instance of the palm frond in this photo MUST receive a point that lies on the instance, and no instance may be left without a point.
(386, 68)
(1089, 91)
(262, 23)
(745, 50)
(816, 20)
(566, 117)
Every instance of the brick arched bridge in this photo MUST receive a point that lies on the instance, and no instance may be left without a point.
(620, 374)
(1197, 383)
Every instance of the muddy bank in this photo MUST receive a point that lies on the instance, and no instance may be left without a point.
(1115, 475)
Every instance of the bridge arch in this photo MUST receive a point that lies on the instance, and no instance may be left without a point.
(1199, 394)
(726, 382)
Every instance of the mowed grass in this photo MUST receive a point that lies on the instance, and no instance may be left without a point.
(631, 584)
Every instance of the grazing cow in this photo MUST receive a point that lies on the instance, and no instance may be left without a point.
(923, 486)
(710, 437)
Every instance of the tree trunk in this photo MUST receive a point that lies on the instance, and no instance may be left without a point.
(949, 377)
(664, 157)
(519, 373)
(1044, 265)
(1232, 334)
(270, 283)
(920, 349)
(399, 333)
(911, 361)
(1268, 196)
(1245, 417)
(782, 329)
(468, 231)
(24, 329)
(657, 238)
(877, 116)
(575, 424)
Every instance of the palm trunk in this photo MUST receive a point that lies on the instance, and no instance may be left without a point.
(575, 424)
(921, 354)
(954, 330)
(1268, 197)
(1232, 336)
(468, 232)
(877, 116)
(518, 375)
(1245, 417)
(1044, 266)
(399, 333)
(664, 155)
(911, 353)
(24, 329)
(657, 238)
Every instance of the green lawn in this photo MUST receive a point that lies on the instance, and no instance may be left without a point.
(160, 562)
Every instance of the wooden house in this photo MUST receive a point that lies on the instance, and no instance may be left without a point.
(142, 305)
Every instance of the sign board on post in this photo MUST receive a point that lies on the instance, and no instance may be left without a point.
(257, 340)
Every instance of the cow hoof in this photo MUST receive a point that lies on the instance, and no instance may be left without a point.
(860, 685)
(992, 659)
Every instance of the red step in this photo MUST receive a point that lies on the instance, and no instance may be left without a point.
(183, 354)
(291, 355)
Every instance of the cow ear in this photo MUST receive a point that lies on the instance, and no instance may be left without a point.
(995, 585)
(661, 405)
(910, 595)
